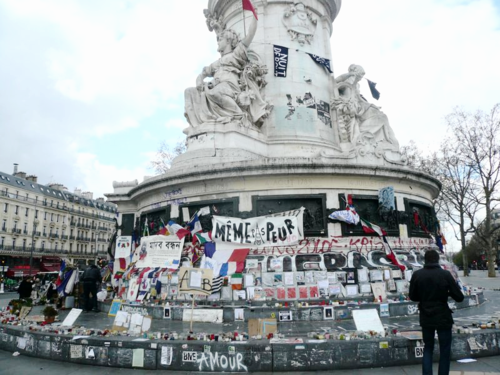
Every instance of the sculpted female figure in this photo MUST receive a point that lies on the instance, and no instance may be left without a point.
(367, 120)
(221, 99)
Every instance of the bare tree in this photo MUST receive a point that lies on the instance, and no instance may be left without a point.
(478, 137)
(457, 198)
(165, 155)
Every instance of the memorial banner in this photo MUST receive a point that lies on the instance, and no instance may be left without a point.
(258, 231)
(123, 247)
(280, 61)
(160, 251)
(196, 281)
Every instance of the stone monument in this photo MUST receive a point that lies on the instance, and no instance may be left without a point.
(272, 129)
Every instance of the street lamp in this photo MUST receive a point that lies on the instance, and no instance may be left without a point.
(35, 223)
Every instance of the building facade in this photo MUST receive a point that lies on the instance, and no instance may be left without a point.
(48, 222)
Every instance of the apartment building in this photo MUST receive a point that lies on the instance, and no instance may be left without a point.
(47, 222)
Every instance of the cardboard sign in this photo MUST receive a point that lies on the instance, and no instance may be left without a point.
(197, 281)
(160, 251)
(123, 247)
(262, 327)
(367, 320)
(122, 321)
(71, 317)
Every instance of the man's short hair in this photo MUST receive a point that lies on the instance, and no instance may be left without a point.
(431, 256)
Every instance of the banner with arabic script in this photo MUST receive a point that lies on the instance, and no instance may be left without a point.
(257, 231)
(160, 251)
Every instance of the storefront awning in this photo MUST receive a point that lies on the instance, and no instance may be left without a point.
(13, 272)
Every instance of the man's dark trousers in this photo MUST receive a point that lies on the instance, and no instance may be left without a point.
(90, 287)
(444, 336)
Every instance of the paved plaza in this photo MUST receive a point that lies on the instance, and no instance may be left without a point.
(10, 364)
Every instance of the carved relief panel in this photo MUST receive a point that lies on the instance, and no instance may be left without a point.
(300, 23)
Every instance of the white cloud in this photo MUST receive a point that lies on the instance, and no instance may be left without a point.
(86, 81)
(96, 177)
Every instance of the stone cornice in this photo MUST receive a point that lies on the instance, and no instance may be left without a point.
(220, 6)
(275, 167)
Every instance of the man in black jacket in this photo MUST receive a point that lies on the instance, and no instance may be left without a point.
(91, 279)
(431, 287)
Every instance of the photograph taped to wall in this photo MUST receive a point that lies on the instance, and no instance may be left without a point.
(300, 278)
(341, 277)
(239, 295)
(281, 292)
(251, 264)
(365, 288)
(352, 290)
(384, 310)
(328, 313)
(378, 290)
(276, 264)
(285, 316)
(396, 274)
(303, 292)
(278, 279)
(376, 275)
(167, 312)
(309, 277)
(363, 275)
(250, 292)
(332, 278)
(288, 278)
(402, 286)
(335, 289)
(226, 293)
(387, 274)
(408, 274)
(239, 314)
(267, 279)
(320, 276)
(248, 280)
(270, 292)
(259, 294)
(351, 276)
(313, 292)
(391, 285)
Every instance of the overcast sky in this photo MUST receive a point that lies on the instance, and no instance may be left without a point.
(89, 88)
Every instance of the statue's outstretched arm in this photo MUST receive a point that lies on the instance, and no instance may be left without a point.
(251, 33)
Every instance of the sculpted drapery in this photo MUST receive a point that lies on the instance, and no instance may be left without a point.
(361, 121)
(233, 94)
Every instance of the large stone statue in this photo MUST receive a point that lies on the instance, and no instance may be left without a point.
(233, 95)
(361, 123)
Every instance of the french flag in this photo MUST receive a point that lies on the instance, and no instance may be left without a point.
(178, 230)
(229, 260)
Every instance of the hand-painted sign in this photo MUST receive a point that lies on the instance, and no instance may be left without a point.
(160, 251)
(257, 231)
(123, 247)
(195, 281)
